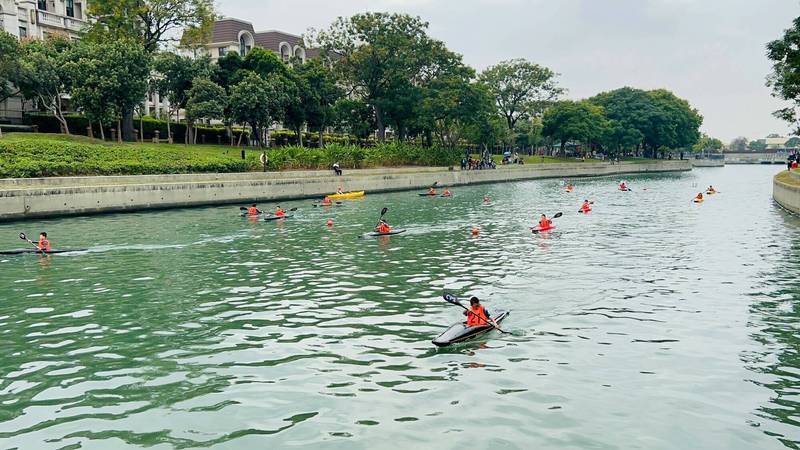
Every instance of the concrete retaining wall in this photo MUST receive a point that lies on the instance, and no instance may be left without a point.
(49, 197)
(708, 163)
(787, 194)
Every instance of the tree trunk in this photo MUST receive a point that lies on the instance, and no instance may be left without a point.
(119, 130)
(563, 150)
(169, 130)
(60, 115)
(379, 123)
(141, 129)
(322, 136)
(102, 132)
(428, 138)
(299, 133)
(127, 133)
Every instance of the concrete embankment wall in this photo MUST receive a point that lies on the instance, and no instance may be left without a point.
(787, 194)
(708, 163)
(51, 197)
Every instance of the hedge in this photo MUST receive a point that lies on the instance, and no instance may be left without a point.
(46, 155)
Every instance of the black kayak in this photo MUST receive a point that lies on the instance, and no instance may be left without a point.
(28, 251)
(269, 218)
(391, 233)
(459, 332)
(427, 195)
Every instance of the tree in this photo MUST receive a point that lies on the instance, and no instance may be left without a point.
(707, 144)
(264, 63)
(9, 64)
(149, 22)
(631, 112)
(739, 144)
(42, 74)
(173, 79)
(793, 142)
(571, 120)
(318, 93)
(785, 76)
(109, 79)
(521, 89)
(206, 100)
(354, 117)
(378, 57)
(758, 145)
(258, 102)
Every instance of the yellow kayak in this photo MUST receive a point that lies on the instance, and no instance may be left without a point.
(347, 195)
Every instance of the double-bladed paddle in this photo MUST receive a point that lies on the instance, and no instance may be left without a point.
(383, 213)
(25, 238)
(450, 298)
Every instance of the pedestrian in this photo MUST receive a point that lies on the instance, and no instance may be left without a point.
(336, 169)
(463, 163)
(264, 160)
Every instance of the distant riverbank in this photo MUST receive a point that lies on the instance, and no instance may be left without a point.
(62, 196)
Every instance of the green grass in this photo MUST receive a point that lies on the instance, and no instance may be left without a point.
(46, 155)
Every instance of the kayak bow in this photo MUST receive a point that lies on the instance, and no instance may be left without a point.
(459, 332)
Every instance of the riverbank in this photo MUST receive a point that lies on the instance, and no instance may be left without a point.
(786, 190)
(708, 163)
(22, 198)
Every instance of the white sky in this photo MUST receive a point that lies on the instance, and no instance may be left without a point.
(710, 52)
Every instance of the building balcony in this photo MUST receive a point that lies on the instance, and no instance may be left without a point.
(58, 21)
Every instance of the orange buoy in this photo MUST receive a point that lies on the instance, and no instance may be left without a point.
(475, 231)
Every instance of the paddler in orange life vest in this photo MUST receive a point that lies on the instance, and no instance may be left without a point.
(477, 315)
(253, 210)
(699, 197)
(446, 193)
(279, 212)
(570, 187)
(711, 190)
(623, 186)
(44, 243)
(432, 191)
(545, 223)
(586, 206)
(327, 201)
(383, 227)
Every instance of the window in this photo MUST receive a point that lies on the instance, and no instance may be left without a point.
(286, 52)
(42, 5)
(244, 49)
(222, 51)
(70, 8)
(23, 32)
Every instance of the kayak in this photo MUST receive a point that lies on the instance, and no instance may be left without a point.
(347, 195)
(538, 229)
(269, 218)
(624, 190)
(28, 251)
(427, 195)
(698, 200)
(568, 190)
(585, 211)
(459, 332)
(376, 234)
(711, 192)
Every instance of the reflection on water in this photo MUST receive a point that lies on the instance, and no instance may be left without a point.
(650, 323)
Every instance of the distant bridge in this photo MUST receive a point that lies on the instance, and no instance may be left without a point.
(765, 157)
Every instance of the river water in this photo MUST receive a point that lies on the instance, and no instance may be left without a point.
(651, 323)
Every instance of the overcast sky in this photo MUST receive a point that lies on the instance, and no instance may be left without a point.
(710, 52)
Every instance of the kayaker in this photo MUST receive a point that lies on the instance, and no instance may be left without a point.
(253, 210)
(432, 191)
(570, 187)
(477, 315)
(339, 190)
(279, 212)
(383, 227)
(699, 197)
(485, 199)
(327, 201)
(623, 186)
(44, 243)
(586, 206)
(545, 223)
(446, 193)
(711, 190)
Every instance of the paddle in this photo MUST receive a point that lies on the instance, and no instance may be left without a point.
(383, 213)
(25, 238)
(555, 216)
(450, 298)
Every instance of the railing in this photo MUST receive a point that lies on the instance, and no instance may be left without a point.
(57, 20)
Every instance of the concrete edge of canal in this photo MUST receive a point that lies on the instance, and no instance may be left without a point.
(71, 196)
(786, 190)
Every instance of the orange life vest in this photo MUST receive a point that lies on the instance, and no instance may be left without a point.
(432, 192)
(545, 223)
(477, 316)
(699, 196)
(446, 193)
(253, 211)
(44, 244)
(327, 201)
(383, 228)
(280, 213)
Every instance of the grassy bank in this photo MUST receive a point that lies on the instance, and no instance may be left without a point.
(46, 155)
(787, 178)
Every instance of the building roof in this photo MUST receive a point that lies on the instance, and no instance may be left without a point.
(272, 39)
(228, 29)
(778, 141)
